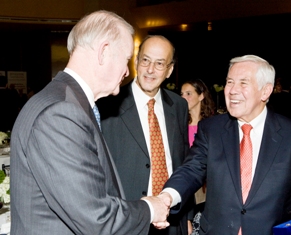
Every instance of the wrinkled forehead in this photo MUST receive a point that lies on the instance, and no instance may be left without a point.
(243, 70)
(157, 49)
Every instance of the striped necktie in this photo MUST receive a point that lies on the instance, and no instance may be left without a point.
(97, 115)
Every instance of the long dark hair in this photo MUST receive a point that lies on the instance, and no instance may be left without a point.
(207, 104)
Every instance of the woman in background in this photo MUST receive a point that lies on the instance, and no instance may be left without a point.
(201, 106)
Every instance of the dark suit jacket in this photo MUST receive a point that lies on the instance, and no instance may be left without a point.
(123, 132)
(62, 178)
(215, 155)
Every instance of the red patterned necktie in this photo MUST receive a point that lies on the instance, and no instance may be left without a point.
(158, 157)
(246, 161)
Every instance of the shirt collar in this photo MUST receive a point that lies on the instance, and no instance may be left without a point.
(259, 120)
(87, 90)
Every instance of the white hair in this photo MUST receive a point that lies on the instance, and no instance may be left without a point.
(97, 25)
(265, 73)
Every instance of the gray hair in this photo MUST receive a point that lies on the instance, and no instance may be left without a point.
(265, 73)
(97, 25)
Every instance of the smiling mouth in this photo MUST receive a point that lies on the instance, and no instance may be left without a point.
(149, 77)
(235, 101)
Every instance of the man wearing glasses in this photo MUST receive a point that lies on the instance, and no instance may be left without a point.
(126, 127)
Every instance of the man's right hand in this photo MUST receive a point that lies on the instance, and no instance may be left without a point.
(161, 211)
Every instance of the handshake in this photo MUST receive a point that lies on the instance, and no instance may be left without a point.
(161, 205)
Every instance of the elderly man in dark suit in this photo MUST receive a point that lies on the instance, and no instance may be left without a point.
(126, 129)
(248, 174)
(63, 180)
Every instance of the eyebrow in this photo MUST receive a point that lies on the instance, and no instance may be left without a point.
(186, 91)
(242, 79)
(151, 58)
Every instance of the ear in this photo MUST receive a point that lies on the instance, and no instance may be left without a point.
(267, 91)
(170, 70)
(103, 52)
(201, 97)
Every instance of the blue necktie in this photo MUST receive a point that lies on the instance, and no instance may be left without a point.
(97, 115)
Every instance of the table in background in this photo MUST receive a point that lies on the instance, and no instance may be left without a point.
(4, 159)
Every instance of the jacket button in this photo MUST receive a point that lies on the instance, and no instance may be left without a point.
(147, 165)
(243, 211)
(144, 193)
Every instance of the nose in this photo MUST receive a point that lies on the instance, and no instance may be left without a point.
(151, 67)
(234, 89)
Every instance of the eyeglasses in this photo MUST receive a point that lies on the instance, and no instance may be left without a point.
(159, 65)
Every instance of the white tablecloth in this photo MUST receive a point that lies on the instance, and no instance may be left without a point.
(5, 220)
(5, 211)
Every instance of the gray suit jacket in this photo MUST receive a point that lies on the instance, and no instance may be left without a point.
(215, 155)
(123, 132)
(63, 180)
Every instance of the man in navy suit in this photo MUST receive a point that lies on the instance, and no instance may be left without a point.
(215, 156)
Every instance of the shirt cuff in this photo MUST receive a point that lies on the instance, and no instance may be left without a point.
(174, 194)
(151, 209)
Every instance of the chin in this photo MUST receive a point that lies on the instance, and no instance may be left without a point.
(234, 113)
(115, 92)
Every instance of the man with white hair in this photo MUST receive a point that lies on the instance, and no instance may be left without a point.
(245, 156)
(63, 180)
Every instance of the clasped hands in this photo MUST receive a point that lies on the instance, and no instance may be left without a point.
(161, 205)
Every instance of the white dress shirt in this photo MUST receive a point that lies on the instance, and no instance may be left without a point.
(141, 100)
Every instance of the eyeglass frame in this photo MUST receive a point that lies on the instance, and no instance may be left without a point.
(166, 67)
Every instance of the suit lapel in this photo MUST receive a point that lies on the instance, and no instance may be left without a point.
(80, 96)
(129, 114)
(269, 146)
(268, 149)
(169, 119)
(230, 139)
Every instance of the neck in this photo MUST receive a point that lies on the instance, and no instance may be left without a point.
(195, 115)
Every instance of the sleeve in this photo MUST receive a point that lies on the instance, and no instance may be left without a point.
(68, 162)
(189, 177)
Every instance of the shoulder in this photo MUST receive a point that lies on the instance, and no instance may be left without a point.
(173, 98)
(278, 120)
(217, 121)
(111, 106)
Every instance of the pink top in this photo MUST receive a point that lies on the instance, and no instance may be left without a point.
(192, 130)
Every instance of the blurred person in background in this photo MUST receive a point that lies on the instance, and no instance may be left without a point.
(201, 106)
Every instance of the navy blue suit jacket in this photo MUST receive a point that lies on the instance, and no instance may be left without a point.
(215, 157)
